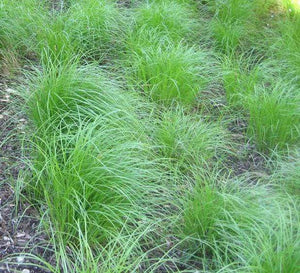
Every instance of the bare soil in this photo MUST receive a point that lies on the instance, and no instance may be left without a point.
(20, 233)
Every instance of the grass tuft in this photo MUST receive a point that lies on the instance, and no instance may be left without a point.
(75, 160)
(175, 73)
(189, 142)
(94, 28)
(171, 19)
(274, 117)
(251, 228)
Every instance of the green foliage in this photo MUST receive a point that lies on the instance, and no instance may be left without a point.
(237, 24)
(227, 36)
(76, 115)
(239, 80)
(55, 45)
(232, 20)
(251, 229)
(262, 8)
(288, 173)
(20, 21)
(286, 47)
(159, 64)
(274, 117)
(170, 19)
(175, 73)
(129, 163)
(94, 28)
(187, 141)
(202, 211)
(83, 172)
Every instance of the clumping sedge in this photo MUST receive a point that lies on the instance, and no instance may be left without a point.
(160, 136)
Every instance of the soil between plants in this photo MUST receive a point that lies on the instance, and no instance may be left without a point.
(19, 221)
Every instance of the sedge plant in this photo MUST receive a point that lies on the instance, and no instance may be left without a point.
(188, 142)
(233, 229)
(94, 28)
(174, 73)
(171, 19)
(274, 117)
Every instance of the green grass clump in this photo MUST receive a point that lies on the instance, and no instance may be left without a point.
(286, 47)
(90, 156)
(56, 89)
(202, 211)
(176, 73)
(274, 117)
(170, 19)
(55, 45)
(287, 173)
(237, 24)
(93, 27)
(188, 142)
(228, 36)
(85, 91)
(231, 23)
(239, 80)
(87, 181)
(20, 21)
(246, 229)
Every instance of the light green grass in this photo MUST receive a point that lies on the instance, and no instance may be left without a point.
(248, 229)
(174, 73)
(240, 79)
(189, 142)
(286, 47)
(231, 22)
(94, 28)
(129, 163)
(20, 22)
(237, 24)
(171, 19)
(274, 117)
(287, 173)
(55, 44)
(89, 153)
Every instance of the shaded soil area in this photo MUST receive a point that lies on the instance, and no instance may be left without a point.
(243, 157)
(20, 234)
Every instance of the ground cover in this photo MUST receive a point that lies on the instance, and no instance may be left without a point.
(149, 136)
